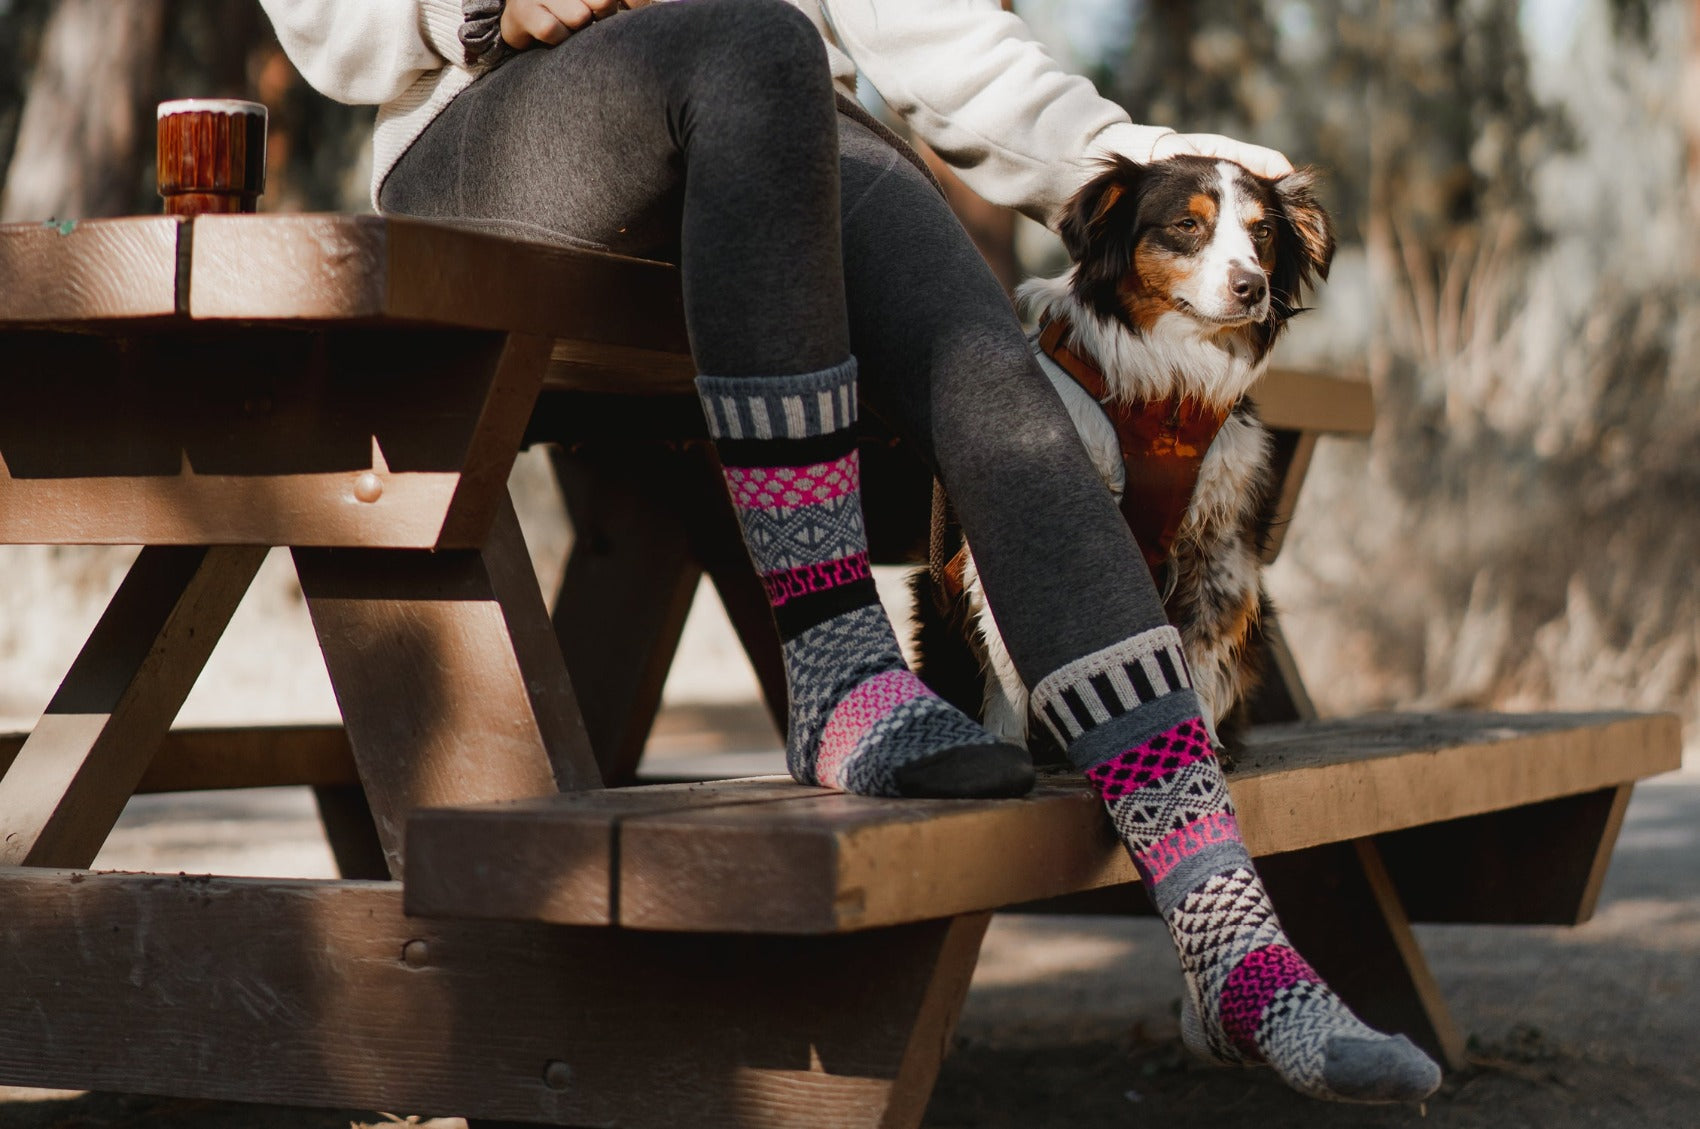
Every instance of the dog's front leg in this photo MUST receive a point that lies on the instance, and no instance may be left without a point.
(1004, 710)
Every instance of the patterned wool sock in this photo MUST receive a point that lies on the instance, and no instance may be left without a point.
(859, 719)
(1130, 719)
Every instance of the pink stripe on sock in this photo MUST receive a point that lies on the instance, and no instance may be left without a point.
(789, 583)
(787, 487)
(1177, 846)
(1151, 760)
(859, 712)
(1252, 984)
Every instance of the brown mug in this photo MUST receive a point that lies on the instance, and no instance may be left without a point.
(212, 155)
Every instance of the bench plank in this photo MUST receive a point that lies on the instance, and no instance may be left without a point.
(325, 994)
(1302, 400)
(555, 854)
(824, 863)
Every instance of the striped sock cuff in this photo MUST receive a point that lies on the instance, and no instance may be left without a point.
(780, 407)
(1109, 683)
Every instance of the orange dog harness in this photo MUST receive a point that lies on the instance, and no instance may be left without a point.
(1163, 443)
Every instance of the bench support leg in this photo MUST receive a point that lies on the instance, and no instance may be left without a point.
(353, 837)
(1542, 864)
(85, 757)
(450, 681)
(1342, 912)
(624, 595)
(325, 994)
(648, 522)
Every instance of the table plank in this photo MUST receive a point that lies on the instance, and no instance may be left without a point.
(319, 268)
(826, 863)
(92, 270)
(379, 438)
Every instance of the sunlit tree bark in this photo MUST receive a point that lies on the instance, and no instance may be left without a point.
(86, 110)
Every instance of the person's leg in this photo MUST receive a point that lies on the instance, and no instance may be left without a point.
(707, 131)
(945, 362)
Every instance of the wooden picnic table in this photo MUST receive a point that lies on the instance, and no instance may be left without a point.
(509, 939)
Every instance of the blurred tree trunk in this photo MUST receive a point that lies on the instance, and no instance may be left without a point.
(85, 111)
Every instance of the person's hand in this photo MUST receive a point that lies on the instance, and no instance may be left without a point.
(529, 22)
(1264, 162)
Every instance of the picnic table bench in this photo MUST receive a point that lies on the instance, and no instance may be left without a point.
(511, 940)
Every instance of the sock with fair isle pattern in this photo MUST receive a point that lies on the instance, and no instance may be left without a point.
(859, 719)
(1129, 718)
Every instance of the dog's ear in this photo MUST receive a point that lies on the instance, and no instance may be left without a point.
(1304, 245)
(1098, 227)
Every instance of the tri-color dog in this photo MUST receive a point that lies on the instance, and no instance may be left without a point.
(1185, 272)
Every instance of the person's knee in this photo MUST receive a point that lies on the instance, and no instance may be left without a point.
(755, 48)
(996, 403)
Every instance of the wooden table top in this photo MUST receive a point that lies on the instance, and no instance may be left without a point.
(617, 322)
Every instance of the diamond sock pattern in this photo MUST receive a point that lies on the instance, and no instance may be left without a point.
(1251, 996)
(858, 716)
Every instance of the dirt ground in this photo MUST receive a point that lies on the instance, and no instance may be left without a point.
(1070, 1021)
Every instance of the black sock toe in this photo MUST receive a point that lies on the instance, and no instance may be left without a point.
(968, 772)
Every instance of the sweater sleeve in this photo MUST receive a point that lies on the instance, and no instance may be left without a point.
(974, 84)
(367, 52)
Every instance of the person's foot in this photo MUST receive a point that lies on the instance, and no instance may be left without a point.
(1131, 721)
(860, 720)
(1270, 1005)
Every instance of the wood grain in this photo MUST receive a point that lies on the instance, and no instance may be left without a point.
(1477, 868)
(623, 370)
(90, 271)
(392, 438)
(351, 832)
(198, 509)
(565, 872)
(826, 863)
(322, 268)
(300, 993)
(1301, 400)
(70, 781)
(1289, 467)
(481, 488)
(448, 676)
(193, 760)
(214, 758)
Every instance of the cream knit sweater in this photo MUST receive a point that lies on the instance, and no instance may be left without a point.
(967, 77)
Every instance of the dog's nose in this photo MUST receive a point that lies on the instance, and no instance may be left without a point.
(1248, 286)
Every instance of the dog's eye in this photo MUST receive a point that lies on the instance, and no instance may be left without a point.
(1188, 225)
(1263, 231)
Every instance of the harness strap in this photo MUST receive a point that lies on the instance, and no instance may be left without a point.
(1163, 443)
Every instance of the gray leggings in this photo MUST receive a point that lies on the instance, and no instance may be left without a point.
(706, 132)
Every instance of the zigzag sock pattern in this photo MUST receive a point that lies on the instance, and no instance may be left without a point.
(857, 714)
(1251, 997)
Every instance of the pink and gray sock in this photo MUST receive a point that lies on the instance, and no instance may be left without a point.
(1130, 719)
(859, 719)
